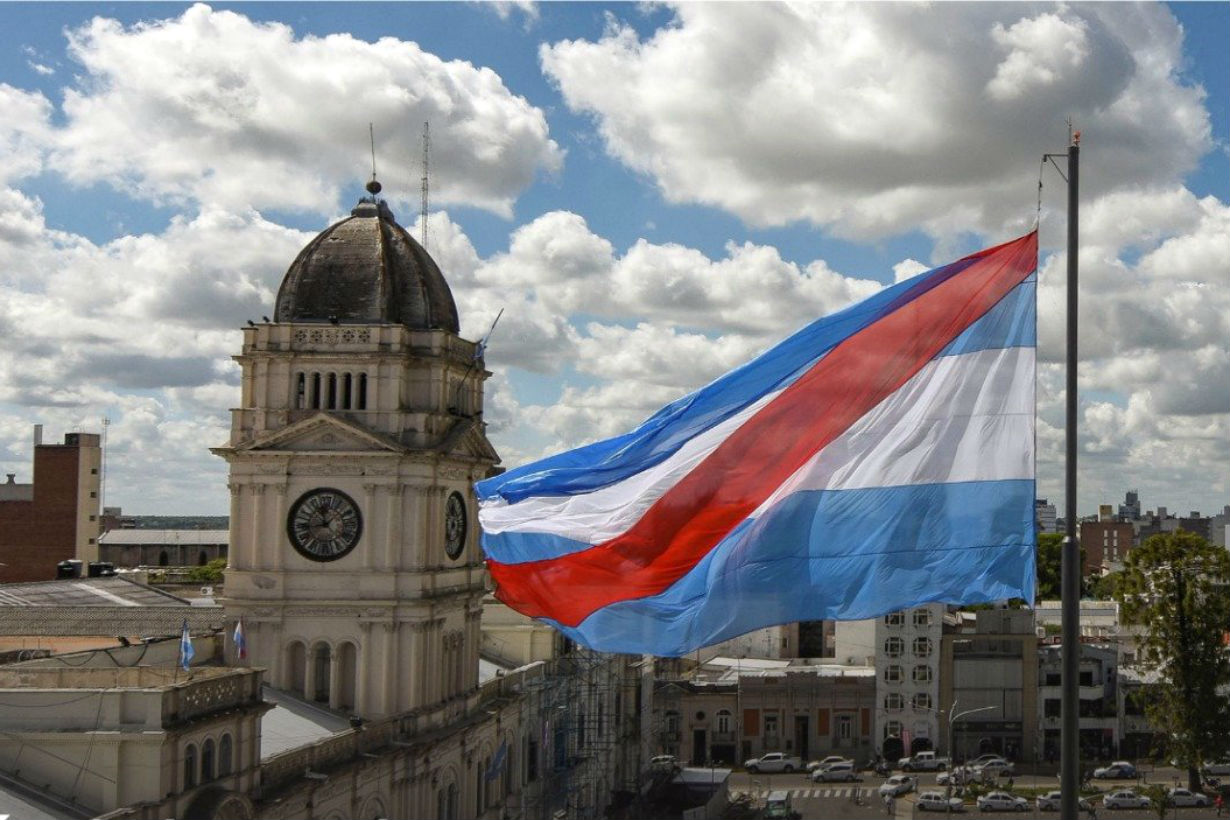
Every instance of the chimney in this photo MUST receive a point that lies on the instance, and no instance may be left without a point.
(38, 434)
(12, 478)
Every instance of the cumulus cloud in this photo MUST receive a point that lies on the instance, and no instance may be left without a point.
(236, 113)
(877, 118)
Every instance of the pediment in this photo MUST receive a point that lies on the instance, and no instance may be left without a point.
(323, 433)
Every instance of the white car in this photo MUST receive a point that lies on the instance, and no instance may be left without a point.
(978, 761)
(898, 784)
(959, 776)
(1187, 797)
(1051, 800)
(826, 762)
(835, 772)
(1220, 768)
(936, 801)
(1126, 799)
(1002, 801)
(773, 762)
(664, 763)
(996, 767)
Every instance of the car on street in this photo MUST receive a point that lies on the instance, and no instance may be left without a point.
(773, 762)
(1051, 800)
(978, 761)
(835, 772)
(1126, 799)
(1119, 770)
(1219, 768)
(824, 763)
(1187, 797)
(1002, 801)
(923, 762)
(959, 776)
(898, 784)
(936, 801)
(995, 767)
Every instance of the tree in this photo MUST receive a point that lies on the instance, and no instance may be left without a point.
(1103, 588)
(1159, 797)
(1050, 566)
(1177, 587)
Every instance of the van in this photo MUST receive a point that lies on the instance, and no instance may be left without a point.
(777, 806)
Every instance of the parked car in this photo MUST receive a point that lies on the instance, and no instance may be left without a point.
(1119, 770)
(773, 762)
(777, 807)
(898, 784)
(1219, 768)
(936, 801)
(1051, 800)
(835, 772)
(824, 763)
(978, 761)
(923, 762)
(1187, 797)
(1126, 799)
(995, 767)
(1002, 801)
(664, 763)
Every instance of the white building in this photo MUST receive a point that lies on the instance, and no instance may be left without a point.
(908, 675)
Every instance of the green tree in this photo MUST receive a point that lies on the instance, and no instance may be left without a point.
(1050, 566)
(1103, 588)
(1159, 795)
(210, 573)
(1177, 587)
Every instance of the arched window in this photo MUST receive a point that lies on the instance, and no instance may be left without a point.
(225, 756)
(349, 676)
(893, 647)
(894, 702)
(362, 391)
(892, 728)
(190, 766)
(322, 662)
(347, 393)
(922, 674)
(922, 701)
(207, 760)
(723, 720)
(922, 647)
(296, 668)
(451, 814)
(163, 559)
(332, 405)
(315, 391)
(300, 392)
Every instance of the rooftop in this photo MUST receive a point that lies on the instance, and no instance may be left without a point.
(143, 537)
(79, 592)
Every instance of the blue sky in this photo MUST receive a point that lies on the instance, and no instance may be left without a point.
(654, 193)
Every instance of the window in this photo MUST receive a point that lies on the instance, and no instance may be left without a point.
(894, 619)
(1086, 677)
(892, 673)
(207, 761)
(1053, 679)
(347, 392)
(672, 722)
(892, 728)
(93, 494)
(845, 727)
(922, 617)
(893, 647)
(224, 756)
(190, 766)
(362, 391)
(770, 724)
(894, 702)
(723, 720)
(93, 471)
(922, 701)
(922, 674)
(922, 647)
(315, 391)
(332, 391)
(300, 392)
(1052, 707)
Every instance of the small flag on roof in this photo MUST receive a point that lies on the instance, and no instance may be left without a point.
(880, 458)
(186, 651)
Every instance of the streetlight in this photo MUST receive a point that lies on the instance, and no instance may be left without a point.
(954, 717)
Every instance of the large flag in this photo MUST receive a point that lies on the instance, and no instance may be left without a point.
(880, 458)
(186, 650)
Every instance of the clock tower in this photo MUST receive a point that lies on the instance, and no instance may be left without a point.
(354, 559)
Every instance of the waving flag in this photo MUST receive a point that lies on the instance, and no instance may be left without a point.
(241, 643)
(186, 651)
(880, 458)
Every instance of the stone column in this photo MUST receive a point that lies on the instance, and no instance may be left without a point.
(393, 533)
(362, 701)
(390, 668)
(276, 548)
(370, 548)
(259, 555)
(237, 556)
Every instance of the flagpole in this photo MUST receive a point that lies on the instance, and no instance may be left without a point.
(1071, 575)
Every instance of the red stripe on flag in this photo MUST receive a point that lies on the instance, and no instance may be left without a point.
(745, 469)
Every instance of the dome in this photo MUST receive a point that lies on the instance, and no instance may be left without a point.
(366, 270)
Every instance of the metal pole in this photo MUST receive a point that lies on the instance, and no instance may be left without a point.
(1071, 579)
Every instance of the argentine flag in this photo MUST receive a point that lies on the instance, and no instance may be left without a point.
(186, 652)
(878, 459)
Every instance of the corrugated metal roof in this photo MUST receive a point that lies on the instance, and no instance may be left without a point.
(86, 592)
(121, 537)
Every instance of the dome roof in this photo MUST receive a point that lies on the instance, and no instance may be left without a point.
(366, 270)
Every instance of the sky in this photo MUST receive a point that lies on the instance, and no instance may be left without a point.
(653, 194)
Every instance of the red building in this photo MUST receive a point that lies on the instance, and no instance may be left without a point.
(55, 517)
(1106, 543)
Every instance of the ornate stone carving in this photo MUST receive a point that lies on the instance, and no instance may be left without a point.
(328, 468)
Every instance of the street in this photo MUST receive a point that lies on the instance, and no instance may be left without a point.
(839, 800)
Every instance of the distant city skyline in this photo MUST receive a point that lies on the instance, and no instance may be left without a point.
(652, 193)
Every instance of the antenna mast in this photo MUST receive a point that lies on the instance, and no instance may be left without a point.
(426, 153)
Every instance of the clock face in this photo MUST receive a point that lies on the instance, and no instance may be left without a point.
(454, 525)
(324, 524)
